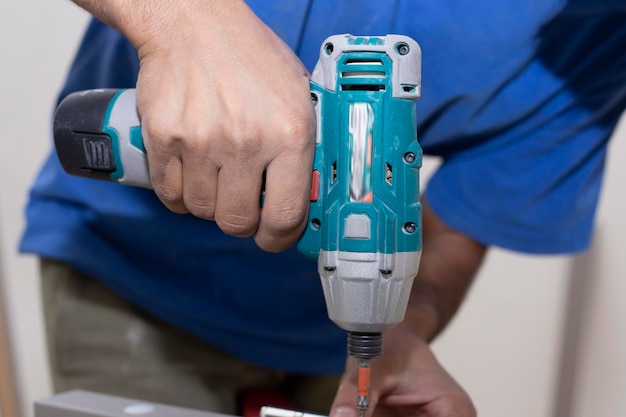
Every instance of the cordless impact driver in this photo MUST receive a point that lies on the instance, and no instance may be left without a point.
(364, 226)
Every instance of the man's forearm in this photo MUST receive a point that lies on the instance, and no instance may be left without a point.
(115, 13)
(450, 260)
(138, 21)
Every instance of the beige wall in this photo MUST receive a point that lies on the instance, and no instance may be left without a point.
(600, 388)
(546, 336)
(37, 39)
(506, 346)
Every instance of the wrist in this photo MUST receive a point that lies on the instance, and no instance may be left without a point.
(450, 261)
(424, 315)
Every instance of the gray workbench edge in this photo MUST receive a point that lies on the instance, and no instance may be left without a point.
(91, 404)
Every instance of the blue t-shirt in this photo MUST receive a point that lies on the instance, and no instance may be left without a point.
(519, 100)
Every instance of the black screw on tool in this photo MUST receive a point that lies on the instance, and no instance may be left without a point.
(403, 48)
(410, 227)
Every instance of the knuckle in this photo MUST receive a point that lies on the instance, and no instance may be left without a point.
(246, 141)
(236, 225)
(284, 221)
(197, 135)
(455, 406)
(166, 135)
(297, 128)
(159, 129)
(170, 196)
(201, 209)
(167, 193)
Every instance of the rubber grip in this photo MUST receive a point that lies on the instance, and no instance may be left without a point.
(82, 147)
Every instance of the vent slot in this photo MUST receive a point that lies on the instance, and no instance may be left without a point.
(362, 87)
(363, 61)
(388, 173)
(363, 74)
(366, 72)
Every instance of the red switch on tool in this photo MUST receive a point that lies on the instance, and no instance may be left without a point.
(315, 185)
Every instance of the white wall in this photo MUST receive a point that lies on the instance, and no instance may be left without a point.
(505, 347)
(37, 39)
(600, 388)
(546, 336)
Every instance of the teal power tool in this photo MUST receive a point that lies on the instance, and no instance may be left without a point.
(364, 226)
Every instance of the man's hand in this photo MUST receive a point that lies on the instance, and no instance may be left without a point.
(407, 381)
(224, 103)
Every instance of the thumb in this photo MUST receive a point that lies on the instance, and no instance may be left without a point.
(344, 404)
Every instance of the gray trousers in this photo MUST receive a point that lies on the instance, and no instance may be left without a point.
(99, 341)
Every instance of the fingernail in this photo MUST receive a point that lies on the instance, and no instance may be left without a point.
(343, 412)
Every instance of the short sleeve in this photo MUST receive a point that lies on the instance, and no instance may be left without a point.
(523, 162)
(536, 195)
